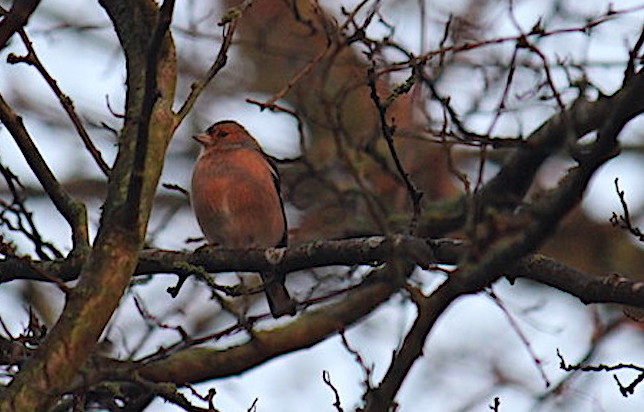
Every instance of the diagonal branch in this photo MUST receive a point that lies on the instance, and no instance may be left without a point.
(511, 183)
(478, 271)
(229, 23)
(16, 18)
(72, 210)
(32, 59)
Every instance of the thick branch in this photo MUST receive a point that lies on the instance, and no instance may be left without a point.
(527, 229)
(151, 94)
(359, 251)
(16, 18)
(105, 275)
(510, 184)
(370, 250)
(611, 288)
(315, 325)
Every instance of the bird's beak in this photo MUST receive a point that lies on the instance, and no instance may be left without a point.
(201, 138)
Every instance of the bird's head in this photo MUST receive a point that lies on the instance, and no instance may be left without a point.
(226, 135)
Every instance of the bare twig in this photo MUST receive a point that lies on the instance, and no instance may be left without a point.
(207, 398)
(633, 57)
(32, 59)
(176, 188)
(366, 370)
(171, 395)
(148, 317)
(326, 377)
(524, 42)
(624, 221)
(590, 24)
(229, 24)
(524, 339)
(388, 131)
(300, 74)
(300, 124)
(625, 390)
(601, 333)
(21, 213)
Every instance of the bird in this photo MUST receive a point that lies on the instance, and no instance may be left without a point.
(235, 196)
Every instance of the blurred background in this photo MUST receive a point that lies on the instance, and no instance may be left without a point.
(339, 181)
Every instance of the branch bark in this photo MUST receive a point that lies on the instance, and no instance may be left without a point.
(16, 18)
(105, 275)
(589, 288)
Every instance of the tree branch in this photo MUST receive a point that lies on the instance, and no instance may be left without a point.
(151, 94)
(16, 18)
(106, 273)
(526, 230)
(73, 211)
(230, 25)
(373, 250)
(32, 59)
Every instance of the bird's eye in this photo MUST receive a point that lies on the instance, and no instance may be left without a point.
(222, 133)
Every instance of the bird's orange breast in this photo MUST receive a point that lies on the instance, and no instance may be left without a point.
(235, 199)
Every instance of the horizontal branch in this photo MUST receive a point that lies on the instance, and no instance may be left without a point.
(358, 251)
(611, 288)
(195, 364)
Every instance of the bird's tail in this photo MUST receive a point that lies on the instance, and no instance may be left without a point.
(279, 301)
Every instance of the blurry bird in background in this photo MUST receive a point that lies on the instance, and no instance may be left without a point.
(236, 198)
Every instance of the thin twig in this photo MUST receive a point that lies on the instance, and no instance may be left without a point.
(630, 70)
(20, 211)
(625, 390)
(32, 59)
(326, 377)
(388, 133)
(624, 221)
(229, 26)
(515, 326)
(303, 72)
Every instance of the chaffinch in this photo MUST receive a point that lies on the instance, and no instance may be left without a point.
(236, 198)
